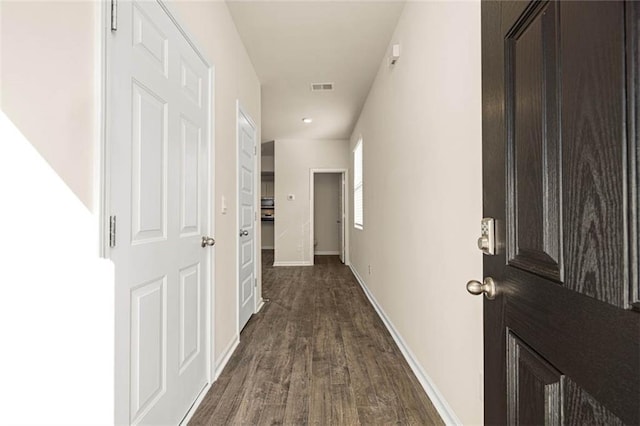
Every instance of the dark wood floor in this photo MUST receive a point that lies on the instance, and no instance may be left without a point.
(317, 354)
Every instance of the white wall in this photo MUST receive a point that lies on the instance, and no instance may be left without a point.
(294, 160)
(421, 127)
(267, 163)
(56, 304)
(326, 208)
(45, 64)
(56, 307)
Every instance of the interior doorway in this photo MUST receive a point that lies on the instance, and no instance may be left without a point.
(328, 213)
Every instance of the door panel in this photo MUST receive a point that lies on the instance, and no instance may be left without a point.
(191, 152)
(534, 193)
(149, 41)
(593, 149)
(190, 324)
(534, 393)
(149, 344)
(149, 164)
(560, 178)
(159, 147)
(191, 82)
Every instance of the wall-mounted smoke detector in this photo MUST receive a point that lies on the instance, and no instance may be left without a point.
(321, 87)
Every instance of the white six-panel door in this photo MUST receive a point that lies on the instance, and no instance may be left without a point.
(246, 217)
(159, 146)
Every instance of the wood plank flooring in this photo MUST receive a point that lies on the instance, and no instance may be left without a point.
(316, 354)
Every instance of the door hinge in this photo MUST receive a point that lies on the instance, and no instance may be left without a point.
(255, 216)
(112, 231)
(114, 15)
(255, 150)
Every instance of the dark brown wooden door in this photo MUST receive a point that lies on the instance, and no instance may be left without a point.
(560, 166)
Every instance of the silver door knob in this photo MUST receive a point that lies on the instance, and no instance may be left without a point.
(244, 232)
(488, 287)
(207, 242)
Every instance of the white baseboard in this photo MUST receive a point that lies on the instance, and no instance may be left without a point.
(195, 405)
(260, 305)
(297, 263)
(440, 404)
(327, 253)
(224, 358)
(268, 248)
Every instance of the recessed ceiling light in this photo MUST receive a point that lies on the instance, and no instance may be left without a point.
(307, 120)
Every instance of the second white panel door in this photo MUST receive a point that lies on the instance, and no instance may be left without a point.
(246, 218)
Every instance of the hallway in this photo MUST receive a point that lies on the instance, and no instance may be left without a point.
(316, 354)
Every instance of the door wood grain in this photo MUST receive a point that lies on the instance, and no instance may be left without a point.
(560, 176)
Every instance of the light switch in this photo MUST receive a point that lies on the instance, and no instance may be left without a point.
(223, 205)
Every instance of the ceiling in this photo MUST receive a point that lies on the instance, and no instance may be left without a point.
(295, 43)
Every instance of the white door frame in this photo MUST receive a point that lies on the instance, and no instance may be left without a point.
(345, 209)
(258, 302)
(102, 162)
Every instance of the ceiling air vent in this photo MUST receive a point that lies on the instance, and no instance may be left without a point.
(321, 87)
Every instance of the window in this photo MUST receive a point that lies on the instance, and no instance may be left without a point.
(357, 186)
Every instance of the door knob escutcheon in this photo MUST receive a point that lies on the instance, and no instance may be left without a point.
(488, 287)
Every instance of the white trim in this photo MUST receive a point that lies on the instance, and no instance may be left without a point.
(256, 201)
(345, 211)
(297, 263)
(211, 223)
(101, 172)
(268, 248)
(196, 404)
(438, 400)
(260, 305)
(327, 253)
(226, 356)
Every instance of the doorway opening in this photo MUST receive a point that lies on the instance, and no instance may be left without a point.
(328, 213)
